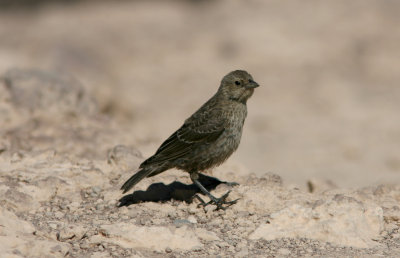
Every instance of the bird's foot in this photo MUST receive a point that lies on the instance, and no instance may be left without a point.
(219, 202)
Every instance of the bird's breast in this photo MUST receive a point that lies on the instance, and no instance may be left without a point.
(235, 117)
(229, 141)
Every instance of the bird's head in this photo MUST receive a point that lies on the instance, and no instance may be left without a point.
(237, 86)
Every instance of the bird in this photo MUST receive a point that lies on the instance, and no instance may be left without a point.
(207, 138)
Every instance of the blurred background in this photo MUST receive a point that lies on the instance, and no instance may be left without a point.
(328, 106)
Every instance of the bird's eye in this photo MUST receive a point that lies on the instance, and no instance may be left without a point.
(237, 82)
(250, 80)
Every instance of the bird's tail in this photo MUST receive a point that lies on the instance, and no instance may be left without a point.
(136, 178)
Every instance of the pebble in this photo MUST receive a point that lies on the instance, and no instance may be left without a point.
(53, 225)
(243, 253)
(100, 207)
(181, 222)
(96, 190)
(59, 215)
(222, 244)
(284, 251)
(224, 230)
(192, 210)
(209, 208)
(16, 157)
(397, 235)
(75, 246)
(197, 248)
(93, 194)
(84, 245)
(192, 219)
(123, 210)
(112, 203)
(73, 206)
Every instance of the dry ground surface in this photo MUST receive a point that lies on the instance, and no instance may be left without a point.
(89, 90)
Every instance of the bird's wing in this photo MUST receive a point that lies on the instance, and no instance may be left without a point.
(201, 128)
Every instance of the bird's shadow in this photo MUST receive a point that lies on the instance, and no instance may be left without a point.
(159, 192)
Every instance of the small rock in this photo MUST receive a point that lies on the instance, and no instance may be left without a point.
(222, 244)
(100, 207)
(243, 253)
(93, 194)
(16, 157)
(84, 245)
(96, 190)
(112, 203)
(242, 214)
(221, 212)
(397, 235)
(114, 216)
(53, 225)
(56, 248)
(75, 246)
(123, 210)
(70, 232)
(182, 207)
(197, 248)
(206, 235)
(192, 219)
(171, 214)
(192, 210)
(318, 185)
(73, 206)
(284, 251)
(181, 222)
(224, 230)
(155, 237)
(59, 215)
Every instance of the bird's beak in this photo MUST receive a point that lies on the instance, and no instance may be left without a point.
(252, 84)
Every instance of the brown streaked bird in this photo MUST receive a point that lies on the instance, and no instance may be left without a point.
(207, 138)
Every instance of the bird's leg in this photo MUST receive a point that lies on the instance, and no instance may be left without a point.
(217, 201)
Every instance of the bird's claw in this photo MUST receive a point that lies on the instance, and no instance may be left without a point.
(219, 202)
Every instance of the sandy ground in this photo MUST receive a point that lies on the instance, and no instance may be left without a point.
(99, 87)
